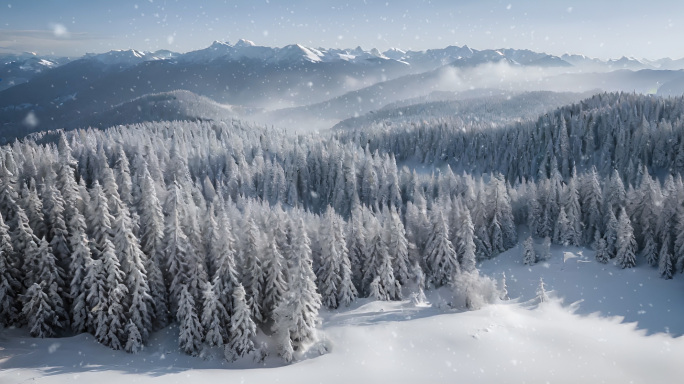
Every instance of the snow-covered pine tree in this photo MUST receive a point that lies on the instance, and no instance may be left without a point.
(650, 250)
(611, 234)
(601, 248)
(465, 246)
(397, 246)
(529, 255)
(378, 266)
(242, 328)
(33, 206)
(665, 262)
(592, 203)
(112, 318)
(138, 303)
(99, 220)
(94, 283)
(213, 318)
(40, 313)
(562, 233)
(10, 284)
(41, 267)
(328, 275)
(534, 210)
(151, 232)
(189, 326)
(356, 243)
(503, 288)
(678, 252)
(81, 257)
(440, 256)
(225, 278)
(668, 214)
(573, 210)
(542, 297)
(252, 272)
(501, 209)
(297, 313)
(626, 244)
(417, 284)
(57, 229)
(134, 341)
(176, 251)
(275, 285)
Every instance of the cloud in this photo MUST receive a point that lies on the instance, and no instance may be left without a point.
(58, 41)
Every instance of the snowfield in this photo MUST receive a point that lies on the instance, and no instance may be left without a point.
(565, 340)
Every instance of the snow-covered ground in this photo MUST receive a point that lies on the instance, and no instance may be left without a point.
(590, 337)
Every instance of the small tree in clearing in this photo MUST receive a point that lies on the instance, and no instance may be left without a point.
(542, 297)
(529, 256)
(601, 246)
(503, 291)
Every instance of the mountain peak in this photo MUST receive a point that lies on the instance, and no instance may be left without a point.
(244, 43)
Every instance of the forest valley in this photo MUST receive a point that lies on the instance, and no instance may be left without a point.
(233, 230)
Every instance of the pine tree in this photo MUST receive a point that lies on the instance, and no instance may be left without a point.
(346, 292)
(502, 215)
(562, 231)
(611, 234)
(112, 314)
(41, 268)
(80, 258)
(274, 278)
(152, 244)
(57, 228)
(397, 245)
(10, 285)
(529, 255)
(126, 245)
(665, 262)
(542, 297)
(330, 259)
(573, 211)
(592, 203)
(678, 251)
(99, 220)
(214, 316)
(242, 328)
(33, 206)
(440, 256)
(297, 313)
(38, 309)
(95, 296)
(626, 244)
(189, 326)
(503, 291)
(253, 273)
(602, 255)
(379, 267)
(225, 278)
(465, 246)
(134, 342)
(650, 250)
(356, 244)
(177, 249)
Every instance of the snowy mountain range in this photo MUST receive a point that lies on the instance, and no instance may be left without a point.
(324, 86)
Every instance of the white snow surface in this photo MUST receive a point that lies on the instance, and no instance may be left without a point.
(562, 341)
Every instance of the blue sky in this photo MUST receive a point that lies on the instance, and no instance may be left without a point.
(596, 28)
